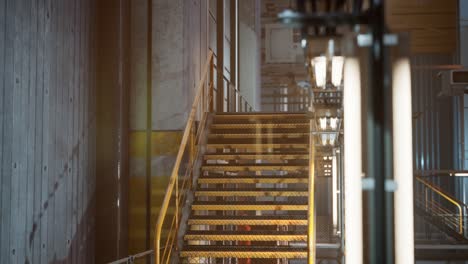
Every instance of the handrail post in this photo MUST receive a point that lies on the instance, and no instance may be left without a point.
(211, 92)
(427, 198)
(311, 208)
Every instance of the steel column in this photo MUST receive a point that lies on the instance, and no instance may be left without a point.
(379, 144)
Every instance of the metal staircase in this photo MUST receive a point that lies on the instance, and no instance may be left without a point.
(251, 201)
(240, 189)
(441, 210)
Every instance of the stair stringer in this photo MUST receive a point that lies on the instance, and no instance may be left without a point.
(186, 208)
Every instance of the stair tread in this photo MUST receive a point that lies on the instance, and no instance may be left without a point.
(249, 203)
(257, 145)
(238, 251)
(250, 232)
(240, 167)
(250, 217)
(259, 125)
(263, 235)
(255, 164)
(243, 248)
(257, 135)
(260, 114)
(302, 140)
(253, 121)
(257, 156)
(253, 179)
(262, 189)
(245, 220)
(243, 192)
(296, 176)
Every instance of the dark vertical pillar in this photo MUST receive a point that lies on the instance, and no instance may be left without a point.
(220, 55)
(379, 144)
(112, 127)
(149, 126)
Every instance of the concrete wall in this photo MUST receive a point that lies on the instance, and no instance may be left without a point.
(249, 52)
(47, 131)
(182, 34)
(180, 48)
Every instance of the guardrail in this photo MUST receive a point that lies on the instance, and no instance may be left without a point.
(181, 177)
(440, 205)
(133, 258)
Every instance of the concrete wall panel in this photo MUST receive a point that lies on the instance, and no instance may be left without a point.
(47, 118)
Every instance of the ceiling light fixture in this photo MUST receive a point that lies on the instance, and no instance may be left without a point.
(323, 123)
(324, 139)
(320, 70)
(337, 70)
(334, 123)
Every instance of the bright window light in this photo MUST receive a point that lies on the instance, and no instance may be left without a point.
(403, 162)
(332, 138)
(337, 70)
(353, 162)
(334, 123)
(324, 139)
(334, 194)
(320, 70)
(323, 123)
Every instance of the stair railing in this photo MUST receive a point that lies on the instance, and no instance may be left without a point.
(442, 206)
(182, 174)
(311, 227)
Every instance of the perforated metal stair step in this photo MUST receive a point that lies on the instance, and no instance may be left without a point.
(265, 119)
(248, 206)
(258, 146)
(246, 235)
(260, 125)
(259, 141)
(259, 130)
(258, 135)
(256, 156)
(440, 224)
(252, 179)
(255, 167)
(261, 115)
(257, 220)
(244, 252)
(241, 192)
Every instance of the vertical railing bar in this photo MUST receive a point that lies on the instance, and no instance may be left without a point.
(311, 202)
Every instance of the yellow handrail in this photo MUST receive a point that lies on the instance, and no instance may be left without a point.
(173, 182)
(448, 198)
(311, 209)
